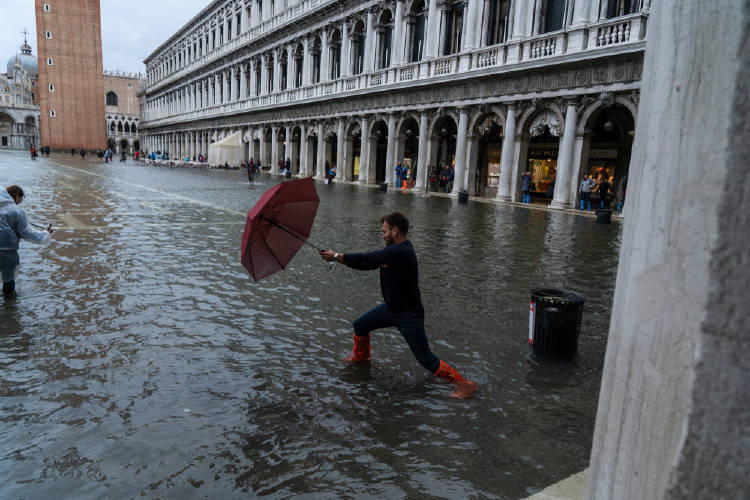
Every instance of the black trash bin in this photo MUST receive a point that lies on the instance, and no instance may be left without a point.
(463, 196)
(384, 187)
(555, 322)
(604, 216)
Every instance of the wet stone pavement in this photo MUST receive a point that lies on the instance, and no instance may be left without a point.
(140, 359)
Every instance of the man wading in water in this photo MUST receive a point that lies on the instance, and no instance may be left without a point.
(399, 284)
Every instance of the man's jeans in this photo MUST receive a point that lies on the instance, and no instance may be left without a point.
(411, 326)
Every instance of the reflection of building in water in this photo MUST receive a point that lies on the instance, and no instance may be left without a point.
(122, 111)
(483, 86)
(19, 113)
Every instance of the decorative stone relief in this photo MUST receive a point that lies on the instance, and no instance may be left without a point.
(546, 118)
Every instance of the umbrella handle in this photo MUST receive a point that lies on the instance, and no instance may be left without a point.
(284, 228)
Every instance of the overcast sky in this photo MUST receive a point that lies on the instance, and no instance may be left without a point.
(131, 29)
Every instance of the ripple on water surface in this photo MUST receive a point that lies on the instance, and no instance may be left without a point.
(140, 359)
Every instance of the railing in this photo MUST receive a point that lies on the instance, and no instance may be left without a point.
(620, 31)
(543, 47)
(487, 58)
(406, 73)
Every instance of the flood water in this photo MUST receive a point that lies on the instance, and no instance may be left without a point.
(140, 359)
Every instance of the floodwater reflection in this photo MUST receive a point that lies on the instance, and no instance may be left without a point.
(139, 358)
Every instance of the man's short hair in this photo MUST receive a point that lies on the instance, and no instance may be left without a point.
(396, 219)
(17, 191)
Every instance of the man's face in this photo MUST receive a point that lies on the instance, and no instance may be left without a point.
(388, 233)
(18, 199)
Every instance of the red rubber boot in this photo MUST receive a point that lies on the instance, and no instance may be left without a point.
(361, 351)
(464, 388)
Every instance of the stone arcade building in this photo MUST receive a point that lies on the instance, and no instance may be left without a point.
(489, 87)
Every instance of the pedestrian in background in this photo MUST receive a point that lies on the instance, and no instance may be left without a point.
(14, 226)
(526, 186)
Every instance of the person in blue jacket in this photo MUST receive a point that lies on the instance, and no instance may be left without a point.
(13, 227)
(402, 307)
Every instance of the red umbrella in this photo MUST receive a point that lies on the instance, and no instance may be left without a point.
(278, 225)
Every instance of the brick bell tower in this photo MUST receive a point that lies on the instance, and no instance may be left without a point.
(71, 77)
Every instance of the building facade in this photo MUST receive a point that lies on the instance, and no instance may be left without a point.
(19, 113)
(122, 111)
(71, 78)
(487, 88)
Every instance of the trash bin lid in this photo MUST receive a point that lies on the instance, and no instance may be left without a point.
(557, 295)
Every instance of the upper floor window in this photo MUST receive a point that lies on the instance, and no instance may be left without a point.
(111, 99)
(454, 25)
(52, 113)
(229, 30)
(51, 87)
(496, 22)
(552, 16)
(385, 37)
(416, 30)
(239, 23)
(47, 7)
(49, 61)
(616, 8)
(48, 34)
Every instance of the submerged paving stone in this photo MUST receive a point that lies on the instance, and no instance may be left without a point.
(140, 309)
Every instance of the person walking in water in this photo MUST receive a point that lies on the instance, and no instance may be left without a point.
(526, 186)
(14, 227)
(399, 285)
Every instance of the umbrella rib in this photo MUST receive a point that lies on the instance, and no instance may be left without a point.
(292, 232)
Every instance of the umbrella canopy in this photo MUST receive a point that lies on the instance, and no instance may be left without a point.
(278, 225)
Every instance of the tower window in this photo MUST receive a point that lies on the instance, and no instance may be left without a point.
(51, 87)
(46, 7)
(111, 98)
(52, 113)
(49, 61)
(48, 35)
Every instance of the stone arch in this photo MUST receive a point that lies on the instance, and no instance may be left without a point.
(479, 116)
(590, 114)
(119, 127)
(438, 118)
(528, 116)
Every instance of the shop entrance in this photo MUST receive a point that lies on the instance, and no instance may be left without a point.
(609, 154)
(408, 149)
(487, 173)
(542, 163)
(444, 138)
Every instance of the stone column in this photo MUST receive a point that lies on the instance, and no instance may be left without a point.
(472, 26)
(290, 83)
(217, 90)
(673, 414)
(432, 36)
(263, 160)
(243, 80)
(364, 151)
(232, 85)
(565, 159)
(324, 57)
(274, 149)
(225, 86)
(345, 50)
(504, 192)
(306, 63)
(288, 147)
(460, 174)
(253, 77)
(293, 152)
(226, 31)
(303, 166)
(397, 46)
(369, 43)
(321, 160)
(390, 162)
(340, 153)
(422, 163)
(264, 74)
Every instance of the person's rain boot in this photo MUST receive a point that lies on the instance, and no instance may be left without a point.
(361, 351)
(9, 287)
(464, 388)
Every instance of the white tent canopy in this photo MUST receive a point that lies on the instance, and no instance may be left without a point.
(227, 150)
